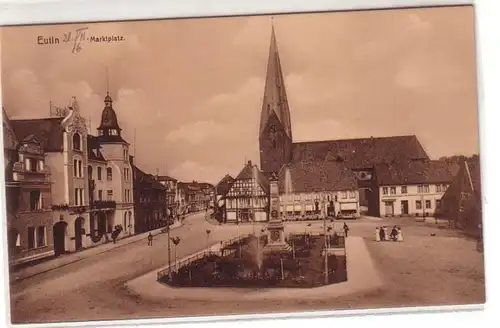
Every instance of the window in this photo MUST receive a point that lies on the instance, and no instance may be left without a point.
(404, 189)
(31, 238)
(420, 189)
(99, 173)
(385, 190)
(393, 190)
(352, 194)
(33, 167)
(109, 173)
(418, 204)
(438, 188)
(438, 203)
(40, 237)
(35, 200)
(426, 188)
(89, 172)
(444, 187)
(77, 142)
(41, 165)
(110, 194)
(125, 155)
(99, 195)
(77, 168)
(428, 204)
(78, 196)
(344, 194)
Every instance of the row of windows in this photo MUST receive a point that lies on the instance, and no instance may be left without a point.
(428, 204)
(109, 173)
(246, 202)
(310, 197)
(420, 189)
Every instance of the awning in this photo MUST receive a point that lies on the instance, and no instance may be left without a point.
(348, 206)
(297, 208)
(289, 208)
(309, 208)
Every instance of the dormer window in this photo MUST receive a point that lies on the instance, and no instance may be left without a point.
(77, 142)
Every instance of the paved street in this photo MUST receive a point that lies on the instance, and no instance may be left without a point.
(93, 288)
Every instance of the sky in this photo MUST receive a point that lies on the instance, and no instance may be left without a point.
(192, 89)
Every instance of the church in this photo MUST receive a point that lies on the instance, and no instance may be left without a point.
(360, 156)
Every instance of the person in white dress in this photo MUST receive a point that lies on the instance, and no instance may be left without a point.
(377, 234)
(399, 236)
(386, 233)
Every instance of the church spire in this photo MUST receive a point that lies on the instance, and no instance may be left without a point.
(275, 99)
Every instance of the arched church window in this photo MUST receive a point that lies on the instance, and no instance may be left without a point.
(77, 142)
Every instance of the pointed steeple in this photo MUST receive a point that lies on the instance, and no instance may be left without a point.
(275, 99)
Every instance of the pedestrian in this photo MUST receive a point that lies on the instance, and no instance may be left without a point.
(394, 233)
(399, 236)
(150, 239)
(346, 229)
(382, 234)
(377, 234)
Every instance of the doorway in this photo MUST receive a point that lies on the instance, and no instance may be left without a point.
(404, 207)
(78, 233)
(389, 208)
(59, 233)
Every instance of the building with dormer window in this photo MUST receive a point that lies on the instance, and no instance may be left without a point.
(28, 197)
(91, 185)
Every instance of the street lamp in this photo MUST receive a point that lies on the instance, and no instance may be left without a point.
(176, 241)
(208, 235)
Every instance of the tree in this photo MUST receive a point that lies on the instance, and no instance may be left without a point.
(176, 241)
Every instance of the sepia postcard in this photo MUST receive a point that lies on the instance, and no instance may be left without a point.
(217, 166)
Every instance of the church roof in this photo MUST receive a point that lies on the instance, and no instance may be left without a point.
(49, 131)
(360, 153)
(415, 172)
(318, 176)
(275, 99)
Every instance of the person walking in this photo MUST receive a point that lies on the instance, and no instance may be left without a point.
(150, 239)
(377, 234)
(346, 229)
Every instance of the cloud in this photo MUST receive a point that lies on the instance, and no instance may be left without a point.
(190, 170)
(197, 132)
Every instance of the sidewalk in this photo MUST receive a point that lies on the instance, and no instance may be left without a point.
(362, 277)
(63, 260)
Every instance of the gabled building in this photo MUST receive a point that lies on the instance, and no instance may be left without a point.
(316, 189)
(171, 196)
(91, 190)
(461, 203)
(412, 188)
(28, 197)
(150, 206)
(220, 190)
(247, 199)
(277, 147)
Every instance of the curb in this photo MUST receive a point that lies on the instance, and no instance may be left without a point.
(14, 281)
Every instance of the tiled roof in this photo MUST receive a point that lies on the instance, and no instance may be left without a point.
(111, 139)
(48, 131)
(317, 176)
(143, 180)
(224, 184)
(360, 153)
(93, 149)
(166, 178)
(248, 172)
(415, 172)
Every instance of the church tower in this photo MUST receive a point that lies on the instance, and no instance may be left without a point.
(275, 132)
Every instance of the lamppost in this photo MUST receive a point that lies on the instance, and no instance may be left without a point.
(176, 241)
(208, 231)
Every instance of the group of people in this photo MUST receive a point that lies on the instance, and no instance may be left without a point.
(382, 234)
